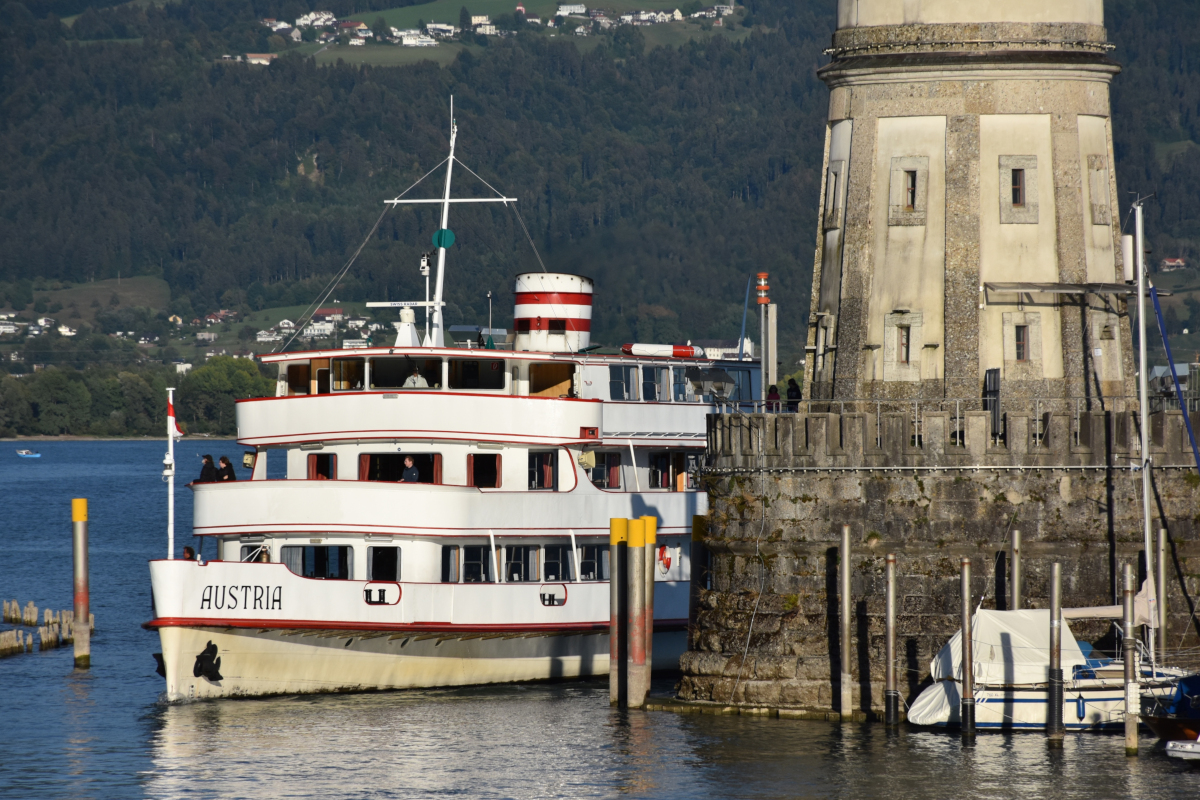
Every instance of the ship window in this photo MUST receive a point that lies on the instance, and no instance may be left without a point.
(607, 472)
(622, 382)
(551, 380)
(556, 564)
(593, 562)
(391, 466)
(674, 471)
(469, 373)
(542, 470)
(383, 563)
(681, 387)
(319, 562)
(522, 325)
(348, 374)
(483, 470)
(449, 563)
(520, 563)
(397, 373)
(256, 552)
(653, 380)
(741, 389)
(322, 467)
(477, 564)
(297, 378)
(557, 326)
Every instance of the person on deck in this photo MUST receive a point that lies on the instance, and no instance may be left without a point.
(208, 473)
(416, 380)
(225, 473)
(793, 396)
(411, 474)
(772, 399)
(189, 554)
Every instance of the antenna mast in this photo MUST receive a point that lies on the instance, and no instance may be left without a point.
(438, 338)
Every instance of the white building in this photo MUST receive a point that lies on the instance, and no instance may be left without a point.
(486, 30)
(269, 336)
(182, 368)
(286, 325)
(7, 328)
(568, 9)
(63, 330)
(440, 29)
(318, 330)
(206, 336)
(477, 21)
(417, 40)
(355, 344)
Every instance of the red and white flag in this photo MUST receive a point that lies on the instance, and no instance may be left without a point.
(172, 426)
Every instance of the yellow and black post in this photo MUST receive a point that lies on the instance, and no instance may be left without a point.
(618, 592)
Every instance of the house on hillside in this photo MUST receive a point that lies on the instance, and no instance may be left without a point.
(175, 320)
(318, 330)
(1171, 264)
(262, 59)
(206, 336)
(440, 29)
(329, 315)
(269, 336)
(569, 9)
(63, 330)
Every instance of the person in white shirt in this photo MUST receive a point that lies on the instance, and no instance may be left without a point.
(416, 380)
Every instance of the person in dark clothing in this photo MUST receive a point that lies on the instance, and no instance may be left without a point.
(225, 473)
(208, 473)
(411, 474)
(793, 396)
(189, 554)
(772, 400)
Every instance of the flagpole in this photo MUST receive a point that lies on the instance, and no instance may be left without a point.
(169, 471)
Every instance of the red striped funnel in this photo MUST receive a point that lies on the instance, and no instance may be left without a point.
(553, 312)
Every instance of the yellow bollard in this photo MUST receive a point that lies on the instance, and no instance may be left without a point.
(618, 601)
(79, 536)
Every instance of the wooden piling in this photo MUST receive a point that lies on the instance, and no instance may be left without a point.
(618, 669)
(79, 538)
(1014, 572)
(639, 673)
(30, 615)
(891, 696)
(1133, 697)
(651, 552)
(967, 709)
(847, 697)
(1055, 731)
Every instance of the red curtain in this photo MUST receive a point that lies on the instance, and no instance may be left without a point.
(614, 470)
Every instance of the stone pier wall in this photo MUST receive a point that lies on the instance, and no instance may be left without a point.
(782, 485)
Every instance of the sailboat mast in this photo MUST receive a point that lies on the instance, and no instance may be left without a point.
(439, 339)
(1144, 410)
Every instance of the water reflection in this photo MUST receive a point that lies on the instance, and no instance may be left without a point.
(564, 741)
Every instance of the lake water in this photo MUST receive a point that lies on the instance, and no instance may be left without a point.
(104, 733)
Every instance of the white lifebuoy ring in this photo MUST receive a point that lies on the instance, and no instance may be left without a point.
(664, 559)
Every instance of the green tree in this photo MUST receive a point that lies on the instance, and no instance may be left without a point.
(61, 403)
(464, 19)
(207, 394)
(16, 414)
(381, 29)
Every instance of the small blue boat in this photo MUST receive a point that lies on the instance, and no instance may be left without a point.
(29, 454)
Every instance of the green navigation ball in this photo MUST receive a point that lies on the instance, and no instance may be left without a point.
(443, 238)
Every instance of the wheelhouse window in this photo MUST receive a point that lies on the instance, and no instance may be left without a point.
(483, 470)
(256, 552)
(551, 380)
(406, 372)
(520, 563)
(476, 567)
(681, 387)
(349, 374)
(471, 373)
(654, 381)
(322, 562)
(542, 472)
(673, 471)
(1022, 336)
(556, 563)
(622, 382)
(322, 467)
(593, 562)
(607, 472)
(298, 379)
(383, 563)
(391, 466)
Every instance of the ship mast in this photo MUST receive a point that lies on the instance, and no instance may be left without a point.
(437, 339)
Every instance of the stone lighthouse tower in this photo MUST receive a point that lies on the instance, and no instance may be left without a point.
(969, 222)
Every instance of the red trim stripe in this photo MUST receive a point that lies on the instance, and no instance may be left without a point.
(561, 298)
(411, 627)
(543, 324)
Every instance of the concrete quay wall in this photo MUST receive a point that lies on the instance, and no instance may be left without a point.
(782, 485)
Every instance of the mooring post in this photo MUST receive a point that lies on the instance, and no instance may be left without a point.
(651, 567)
(1014, 573)
(635, 644)
(618, 602)
(967, 710)
(79, 539)
(699, 565)
(891, 697)
(1161, 588)
(1055, 732)
(1133, 698)
(844, 589)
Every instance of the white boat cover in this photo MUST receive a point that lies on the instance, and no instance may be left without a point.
(937, 705)
(1010, 648)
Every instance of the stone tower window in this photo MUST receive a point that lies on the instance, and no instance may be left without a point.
(907, 191)
(1098, 189)
(835, 188)
(1018, 190)
(1023, 345)
(902, 346)
(1022, 341)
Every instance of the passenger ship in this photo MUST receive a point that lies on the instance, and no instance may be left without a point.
(490, 566)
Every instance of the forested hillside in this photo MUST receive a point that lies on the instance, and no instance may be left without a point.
(670, 175)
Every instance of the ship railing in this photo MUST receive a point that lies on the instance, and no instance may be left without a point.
(1038, 410)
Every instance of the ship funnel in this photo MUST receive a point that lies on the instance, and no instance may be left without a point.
(553, 312)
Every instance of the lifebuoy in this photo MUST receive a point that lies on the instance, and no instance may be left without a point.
(664, 559)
